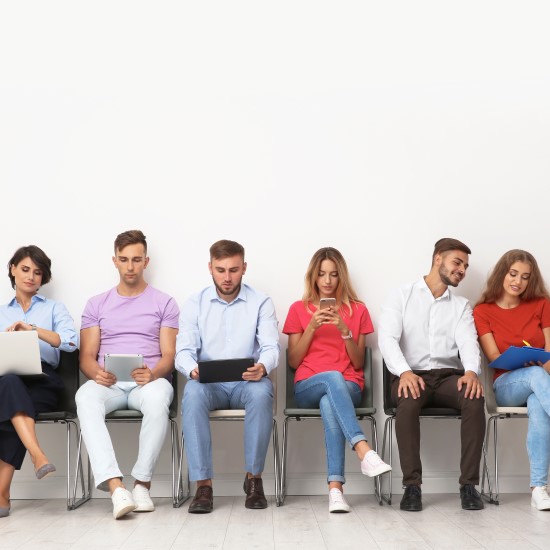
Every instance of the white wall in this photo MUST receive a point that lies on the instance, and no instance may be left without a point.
(373, 127)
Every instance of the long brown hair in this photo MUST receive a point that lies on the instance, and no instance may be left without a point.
(345, 293)
(535, 287)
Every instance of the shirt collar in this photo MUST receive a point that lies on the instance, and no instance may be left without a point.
(421, 284)
(34, 299)
(212, 295)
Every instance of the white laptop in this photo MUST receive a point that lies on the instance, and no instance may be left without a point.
(20, 353)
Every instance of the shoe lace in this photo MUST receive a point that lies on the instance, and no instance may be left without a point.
(470, 490)
(203, 491)
(337, 496)
(374, 459)
(254, 485)
(413, 490)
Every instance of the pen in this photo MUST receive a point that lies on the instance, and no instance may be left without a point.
(527, 343)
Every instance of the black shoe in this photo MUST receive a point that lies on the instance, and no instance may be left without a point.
(412, 499)
(203, 501)
(254, 489)
(470, 498)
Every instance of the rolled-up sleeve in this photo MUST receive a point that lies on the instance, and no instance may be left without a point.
(63, 324)
(188, 341)
(466, 341)
(390, 329)
(267, 335)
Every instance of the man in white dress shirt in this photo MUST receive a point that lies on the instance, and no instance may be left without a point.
(429, 343)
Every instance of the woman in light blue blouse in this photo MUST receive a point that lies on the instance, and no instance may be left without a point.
(22, 398)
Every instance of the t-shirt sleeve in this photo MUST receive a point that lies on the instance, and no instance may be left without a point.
(171, 315)
(545, 316)
(292, 323)
(90, 315)
(481, 320)
(366, 326)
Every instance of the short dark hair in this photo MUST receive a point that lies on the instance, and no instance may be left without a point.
(134, 236)
(38, 256)
(447, 244)
(226, 249)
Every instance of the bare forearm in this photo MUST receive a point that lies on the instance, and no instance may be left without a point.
(299, 349)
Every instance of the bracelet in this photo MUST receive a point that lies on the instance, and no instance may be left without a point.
(33, 327)
(348, 337)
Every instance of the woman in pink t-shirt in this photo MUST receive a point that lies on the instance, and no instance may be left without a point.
(514, 308)
(326, 346)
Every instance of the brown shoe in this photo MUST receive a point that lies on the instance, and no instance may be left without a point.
(254, 489)
(203, 501)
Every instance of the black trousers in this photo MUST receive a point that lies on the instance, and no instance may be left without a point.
(30, 395)
(441, 391)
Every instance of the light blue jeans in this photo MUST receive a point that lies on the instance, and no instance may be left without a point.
(530, 385)
(199, 399)
(337, 399)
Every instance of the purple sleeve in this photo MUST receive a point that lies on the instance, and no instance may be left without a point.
(90, 317)
(170, 317)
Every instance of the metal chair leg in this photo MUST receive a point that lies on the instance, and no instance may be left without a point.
(276, 464)
(387, 440)
(179, 494)
(86, 488)
(282, 491)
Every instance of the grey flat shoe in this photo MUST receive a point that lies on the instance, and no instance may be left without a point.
(44, 471)
(4, 512)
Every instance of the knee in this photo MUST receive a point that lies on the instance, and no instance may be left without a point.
(474, 406)
(9, 381)
(193, 397)
(258, 393)
(84, 395)
(539, 378)
(535, 410)
(157, 402)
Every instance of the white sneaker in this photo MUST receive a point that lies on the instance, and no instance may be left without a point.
(122, 502)
(337, 502)
(141, 497)
(372, 465)
(540, 499)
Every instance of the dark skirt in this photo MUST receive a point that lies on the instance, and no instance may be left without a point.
(30, 395)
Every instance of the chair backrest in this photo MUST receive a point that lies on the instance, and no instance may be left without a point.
(68, 370)
(367, 398)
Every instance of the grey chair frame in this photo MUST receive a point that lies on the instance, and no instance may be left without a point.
(365, 411)
(434, 413)
(495, 414)
(121, 416)
(232, 415)
(69, 372)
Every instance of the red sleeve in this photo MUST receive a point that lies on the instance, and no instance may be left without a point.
(545, 314)
(292, 322)
(366, 326)
(481, 320)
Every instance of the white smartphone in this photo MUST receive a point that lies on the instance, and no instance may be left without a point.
(122, 365)
(325, 303)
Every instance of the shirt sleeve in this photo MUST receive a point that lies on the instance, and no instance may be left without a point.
(188, 341)
(545, 314)
(90, 317)
(170, 318)
(292, 323)
(481, 321)
(390, 329)
(366, 326)
(267, 335)
(466, 341)
(63, 324)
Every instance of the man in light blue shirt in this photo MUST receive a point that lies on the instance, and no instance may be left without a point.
(228, 320)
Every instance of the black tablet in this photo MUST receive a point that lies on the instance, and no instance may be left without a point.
(223, 370)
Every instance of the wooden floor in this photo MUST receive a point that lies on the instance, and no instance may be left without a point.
(302, 523)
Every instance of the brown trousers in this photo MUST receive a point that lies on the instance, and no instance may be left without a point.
(441, 391)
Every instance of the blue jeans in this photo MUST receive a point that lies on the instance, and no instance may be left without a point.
(337, 399)
(530, 385)
(199, 399)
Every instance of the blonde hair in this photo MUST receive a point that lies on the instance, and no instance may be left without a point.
(345, 293)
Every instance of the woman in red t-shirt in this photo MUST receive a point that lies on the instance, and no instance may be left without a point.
(327, 348)
(513, 309)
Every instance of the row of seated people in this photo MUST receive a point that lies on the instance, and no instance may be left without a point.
(427, 336)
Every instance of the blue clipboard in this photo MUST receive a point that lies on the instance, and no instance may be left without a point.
(515, 358)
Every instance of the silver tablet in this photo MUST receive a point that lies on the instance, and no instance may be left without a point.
(122, 365)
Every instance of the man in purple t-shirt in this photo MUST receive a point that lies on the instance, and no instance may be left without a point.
(132, 318)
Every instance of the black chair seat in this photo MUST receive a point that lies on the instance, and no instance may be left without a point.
(316, 413)
(55, 416)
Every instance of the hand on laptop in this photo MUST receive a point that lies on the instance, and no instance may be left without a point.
(255, 373)
(19, 325)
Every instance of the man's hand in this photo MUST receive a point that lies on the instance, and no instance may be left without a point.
(142, 376)
(194, 374)
(473, 385)
(104, 378)
(254, 373)
(410, 383)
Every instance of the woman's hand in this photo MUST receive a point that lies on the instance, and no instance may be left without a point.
(319, 318)
(19, 325)
(333, 317)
